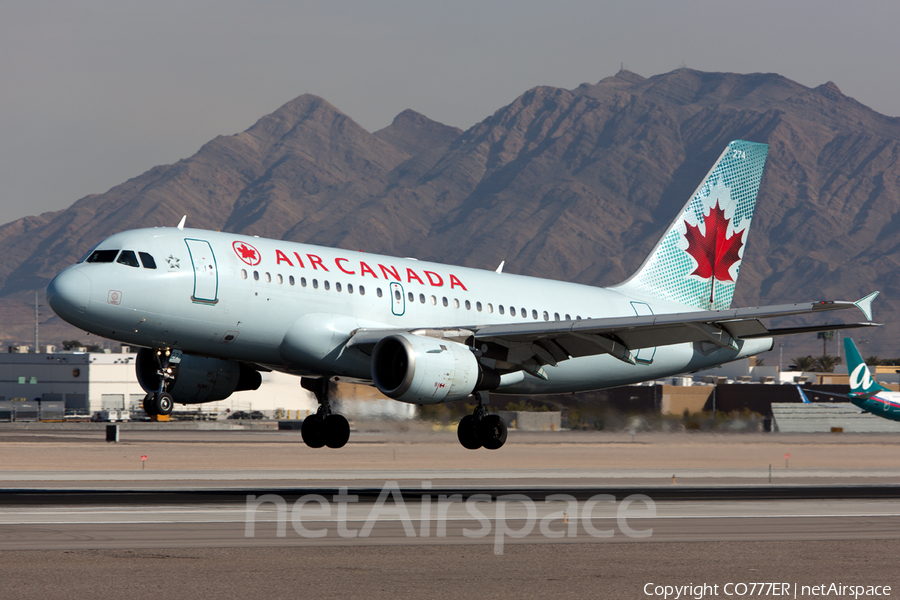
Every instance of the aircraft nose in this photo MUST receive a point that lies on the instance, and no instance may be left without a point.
(69, 293)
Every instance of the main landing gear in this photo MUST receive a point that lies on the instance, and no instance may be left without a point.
(161, 402)
(481, 429)
(323, 428)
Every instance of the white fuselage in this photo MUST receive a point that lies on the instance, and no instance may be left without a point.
(292, 307)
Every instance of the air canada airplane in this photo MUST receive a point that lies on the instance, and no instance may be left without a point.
(210, 310)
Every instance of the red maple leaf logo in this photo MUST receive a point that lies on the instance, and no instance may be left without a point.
(713, 252)
(246, 253)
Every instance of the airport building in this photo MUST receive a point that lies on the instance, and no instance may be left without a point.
(50, 385)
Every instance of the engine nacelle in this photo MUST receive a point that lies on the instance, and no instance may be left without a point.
(425, 370)
(197, 378)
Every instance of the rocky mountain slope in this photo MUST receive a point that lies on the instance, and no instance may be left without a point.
(569, 184)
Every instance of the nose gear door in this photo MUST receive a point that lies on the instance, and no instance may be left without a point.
(206, 276)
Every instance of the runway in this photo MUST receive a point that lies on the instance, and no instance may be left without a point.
(424, 519)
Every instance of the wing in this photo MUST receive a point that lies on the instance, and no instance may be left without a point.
(531, 345)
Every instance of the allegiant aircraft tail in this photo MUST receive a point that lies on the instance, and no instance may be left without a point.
(696, 263)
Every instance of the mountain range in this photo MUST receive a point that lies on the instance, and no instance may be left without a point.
(567, 184)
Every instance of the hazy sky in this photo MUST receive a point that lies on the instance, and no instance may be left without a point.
(95, 92)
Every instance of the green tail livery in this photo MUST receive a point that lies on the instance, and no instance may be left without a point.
(865, 392)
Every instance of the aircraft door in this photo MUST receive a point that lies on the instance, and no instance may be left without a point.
(206, 277)
(644, 355)
(398, 301)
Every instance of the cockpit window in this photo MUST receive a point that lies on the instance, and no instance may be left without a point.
(148, 261)
(102, 256)
(128, 258)
(88, 253)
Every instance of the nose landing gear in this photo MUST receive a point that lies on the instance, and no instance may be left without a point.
(161, 402)
(324, 428)
(481, 429)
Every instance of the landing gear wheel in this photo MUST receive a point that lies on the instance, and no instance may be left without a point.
(492, 432)
(467, 432)
(150, 405)
(336, 431)
(164, 403)
(312, 431)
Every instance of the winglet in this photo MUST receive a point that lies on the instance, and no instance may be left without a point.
(184, 218)
(865, 304)
(500, 268)
(803, 396)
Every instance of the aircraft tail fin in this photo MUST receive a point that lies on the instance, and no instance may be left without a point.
(696, 263)
(861, 381)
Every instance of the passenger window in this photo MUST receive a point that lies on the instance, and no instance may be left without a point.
(268, 278)
(102, 256)
(148, 261)
(422, 298)
(512, 311)
(279, 278)
(303, 282)
(490, 308)
(337, 286)
(349, 288)
(378, 292)
(397, 294)
(243, 273)
(478, 306)
(255, 275)
(578, 318)
(434, 300)
(468, 305)
(455, 303)
(500, 309)
(327, 285)
(568, 318)
(362, 291)
(534, 315)
(546, 316)
(556, 316)
(315, 284)
(411, 296)
(444, 301)
(291, 279)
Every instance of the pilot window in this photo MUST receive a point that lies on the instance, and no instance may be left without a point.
(102, 256)
(127, 257)
(148, 261)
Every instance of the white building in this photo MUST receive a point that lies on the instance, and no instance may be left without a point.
(91, 382)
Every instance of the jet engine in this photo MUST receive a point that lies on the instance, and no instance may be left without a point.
(197, 378)
(425, 370)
